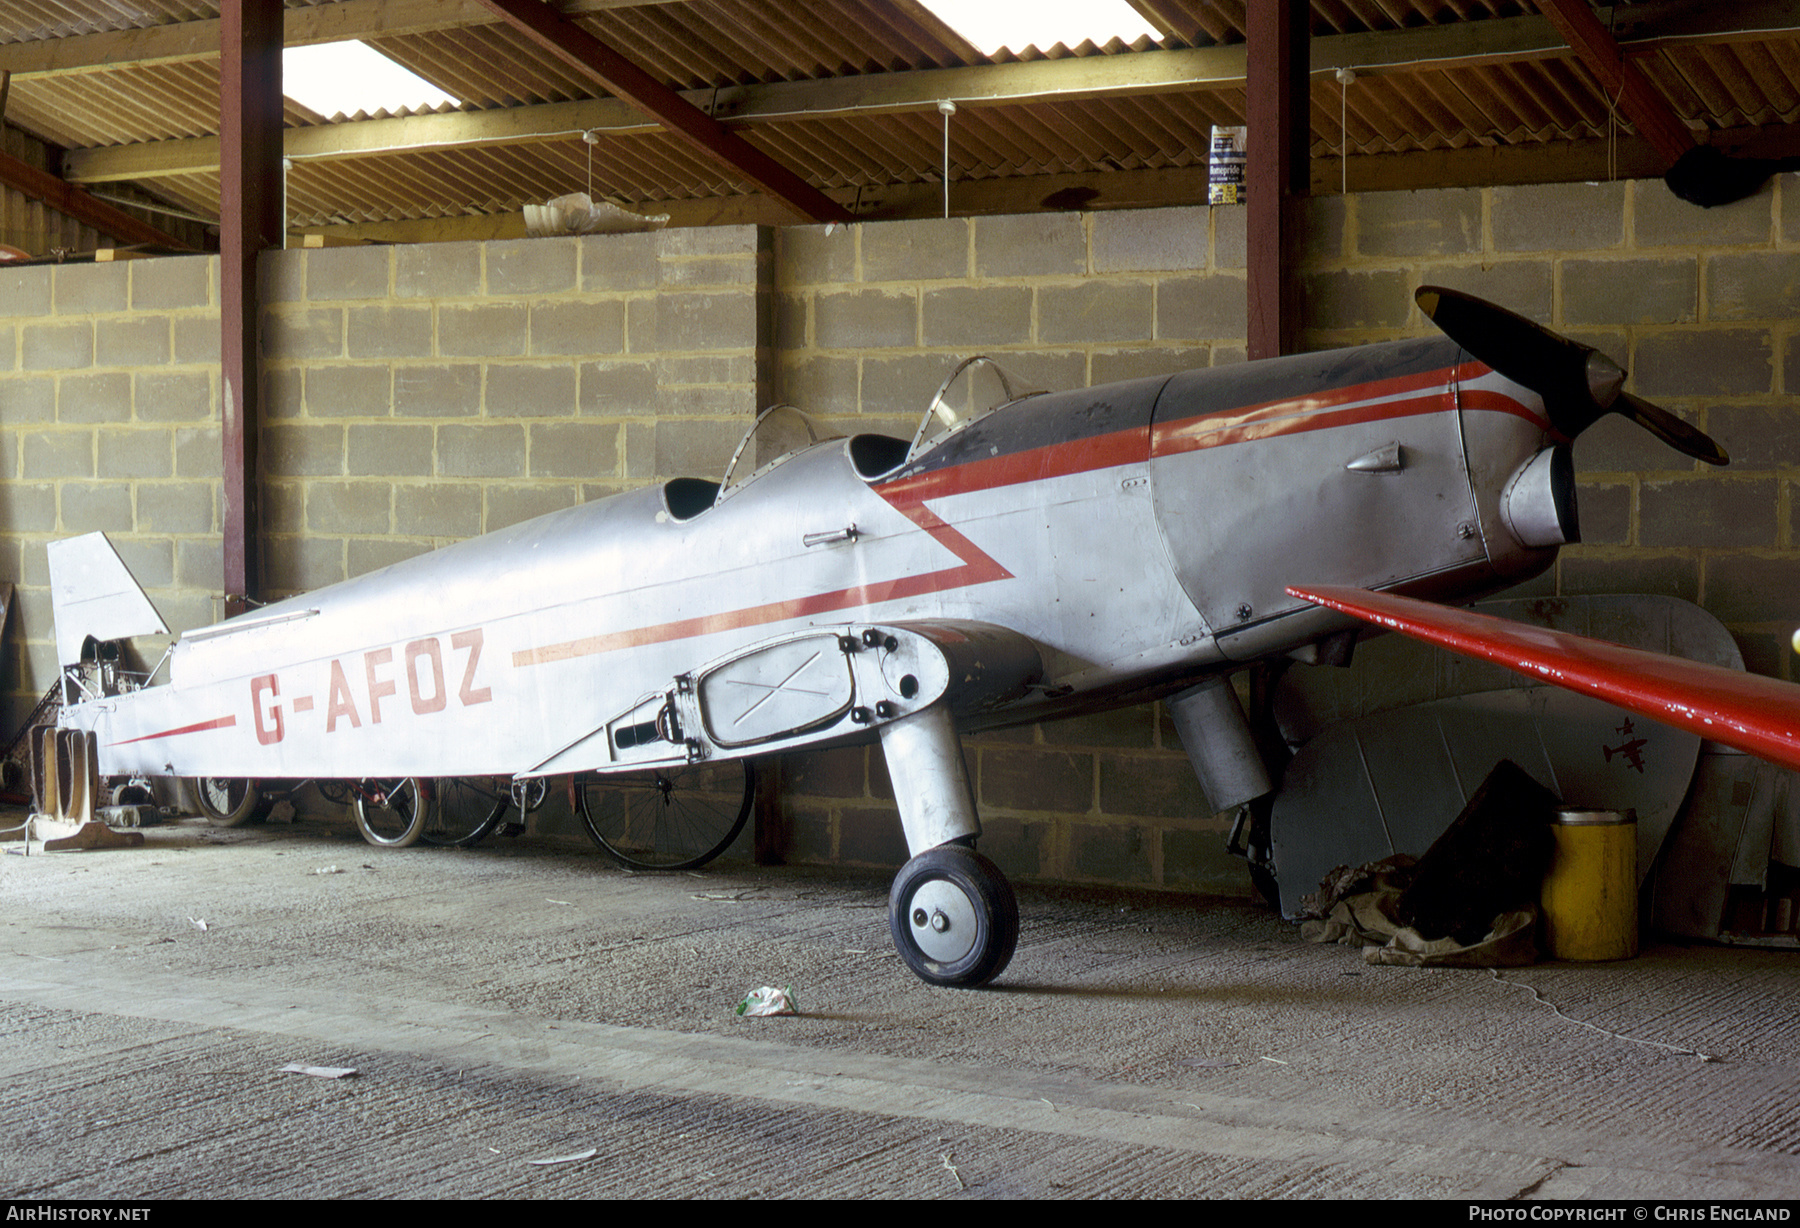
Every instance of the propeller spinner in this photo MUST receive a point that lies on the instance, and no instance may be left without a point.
(1578, 383)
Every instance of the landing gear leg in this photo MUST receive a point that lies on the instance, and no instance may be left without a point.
(951, 912)
(1231, 760)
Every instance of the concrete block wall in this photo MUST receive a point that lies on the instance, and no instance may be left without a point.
(872, 318)
(1108, 798)
(108, 420)
(421, 395)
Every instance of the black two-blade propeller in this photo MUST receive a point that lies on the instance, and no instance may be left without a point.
(1578, 383)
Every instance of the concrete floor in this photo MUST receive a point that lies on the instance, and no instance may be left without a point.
(519, 1002)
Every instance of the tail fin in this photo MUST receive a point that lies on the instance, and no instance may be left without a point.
(93, 595)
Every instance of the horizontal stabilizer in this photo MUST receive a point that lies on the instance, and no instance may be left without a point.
(1747, 711)
(92, 594)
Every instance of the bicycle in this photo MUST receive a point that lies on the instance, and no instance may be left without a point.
(469, 808)
(673, 818)
(392, 813)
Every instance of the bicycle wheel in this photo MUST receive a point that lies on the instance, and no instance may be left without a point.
(464, 811)
(227, 801)
(391, 813)
(670, 818)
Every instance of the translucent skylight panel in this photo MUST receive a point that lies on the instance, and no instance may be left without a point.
(1017, 24)
(352, 76)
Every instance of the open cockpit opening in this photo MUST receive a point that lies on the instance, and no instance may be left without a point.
(876, 456)
(974, 389)
(686, 498)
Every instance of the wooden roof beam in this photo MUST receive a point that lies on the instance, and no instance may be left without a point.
(1625, 85)
(1481, 166)
(174, 42)
(604, 65)
(89, 210)
(1182, 69)
(1641, 27)
(880, 94)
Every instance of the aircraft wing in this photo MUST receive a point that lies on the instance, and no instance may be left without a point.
(1747, 711)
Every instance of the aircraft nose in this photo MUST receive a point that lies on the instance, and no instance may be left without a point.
(1577, 382)
(1604, 379)
(1537, 504)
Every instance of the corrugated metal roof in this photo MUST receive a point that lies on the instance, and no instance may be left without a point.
(1542, 98)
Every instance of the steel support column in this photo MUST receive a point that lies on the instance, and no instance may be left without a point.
(1276, 176)
(250, 213)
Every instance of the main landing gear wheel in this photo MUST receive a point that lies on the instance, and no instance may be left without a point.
(953, 917)
(391, 813)
(674, 818)
(225, 801)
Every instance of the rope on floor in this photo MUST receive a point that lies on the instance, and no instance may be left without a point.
(1654, 1044)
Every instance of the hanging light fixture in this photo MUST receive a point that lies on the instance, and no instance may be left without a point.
(1344, 77)
(946, 108)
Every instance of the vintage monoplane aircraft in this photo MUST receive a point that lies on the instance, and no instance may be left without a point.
(1031, 558)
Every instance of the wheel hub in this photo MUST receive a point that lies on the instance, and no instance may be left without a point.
(942, 919)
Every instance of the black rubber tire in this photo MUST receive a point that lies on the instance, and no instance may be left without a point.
(463, 811)
(391, 814)
(953, 873)
(227, 801)
(671, 818)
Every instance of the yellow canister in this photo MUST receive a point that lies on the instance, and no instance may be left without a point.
(1590, 893)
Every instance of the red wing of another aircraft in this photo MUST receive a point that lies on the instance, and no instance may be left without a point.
(1747, 711)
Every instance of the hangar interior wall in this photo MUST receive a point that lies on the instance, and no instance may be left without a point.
(31, 225)
(419, 395)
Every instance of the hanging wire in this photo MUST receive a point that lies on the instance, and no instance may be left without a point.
(946, 108)
(1612, 134)
(1344, 77)
(1612, 108)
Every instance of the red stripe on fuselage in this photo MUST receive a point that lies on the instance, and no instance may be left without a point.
(1201, 433)
(1487, 399)
(1056, 460)
(1401, 397)
(1135, 445)
(223, 722)
(976, 567)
